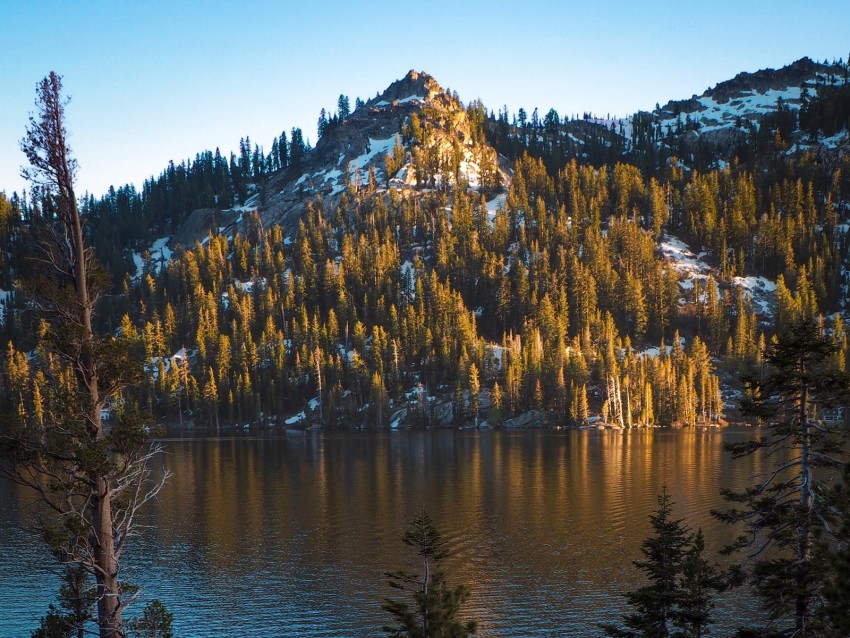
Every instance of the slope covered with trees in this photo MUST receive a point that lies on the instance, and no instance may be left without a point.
(417, 294)
(440, 283)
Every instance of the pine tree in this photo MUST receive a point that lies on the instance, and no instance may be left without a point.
(698, 581)
(322, 124)
(474, 389)
(580, 411)
(94, 479)
(495, 414)
(679, 581)
(155, 622)
(343, 107)
(434, 606)
(210, 396)
(787, 511)
(77, 599)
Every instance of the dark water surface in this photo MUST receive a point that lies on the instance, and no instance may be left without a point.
(289, 535)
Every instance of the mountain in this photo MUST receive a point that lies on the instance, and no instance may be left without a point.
(433, 263)
(358, 145)
(712, 128)
(734, 105)
(702, 131)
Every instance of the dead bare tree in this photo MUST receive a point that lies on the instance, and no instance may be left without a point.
(92, 479)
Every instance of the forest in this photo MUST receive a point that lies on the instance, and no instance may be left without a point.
(551, 298)
(544, 288)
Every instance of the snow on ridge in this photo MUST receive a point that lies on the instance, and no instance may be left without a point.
(750, 105)
(415, 99)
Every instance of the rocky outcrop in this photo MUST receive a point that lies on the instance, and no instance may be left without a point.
(526, 420)
(802, 73)
(796, 74)
(199, 224)
(413, 85)
(359, 144)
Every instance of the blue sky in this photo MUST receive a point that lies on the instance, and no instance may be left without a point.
(157, 81)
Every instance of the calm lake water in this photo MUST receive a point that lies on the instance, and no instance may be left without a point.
(289, 535)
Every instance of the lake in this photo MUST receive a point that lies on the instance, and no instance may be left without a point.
(272, 534)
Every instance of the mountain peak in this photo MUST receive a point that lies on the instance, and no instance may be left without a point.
(412, 86)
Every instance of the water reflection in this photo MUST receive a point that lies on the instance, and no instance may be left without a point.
(290, 535)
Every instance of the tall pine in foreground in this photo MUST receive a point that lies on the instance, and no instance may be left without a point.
(786, 511)
(677, 597)
(90, 479)
(431, 605)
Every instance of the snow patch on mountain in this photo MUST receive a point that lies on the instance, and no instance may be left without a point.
(745, 100)
(249, 206)
(174, 361)
(762, 292)
(159, 256)
(249, 286)
(689, 266)
(296, 419)
(377, 149)
(4, 299)
(494, 206)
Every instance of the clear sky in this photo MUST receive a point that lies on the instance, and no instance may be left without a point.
(157, 81)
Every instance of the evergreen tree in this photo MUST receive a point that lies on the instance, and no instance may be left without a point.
(77, 599)
(155, 622)
(787, 511)
(699, 580)
(343, 107)
(283, 151)
(297, 149)
(95, 479)
(474, 390)
(432, 605)
(322, 124)
(679, 582)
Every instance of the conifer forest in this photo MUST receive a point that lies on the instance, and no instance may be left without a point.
(434, 264)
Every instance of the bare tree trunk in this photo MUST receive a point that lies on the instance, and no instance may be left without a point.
(109, 609)
(106, 563)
